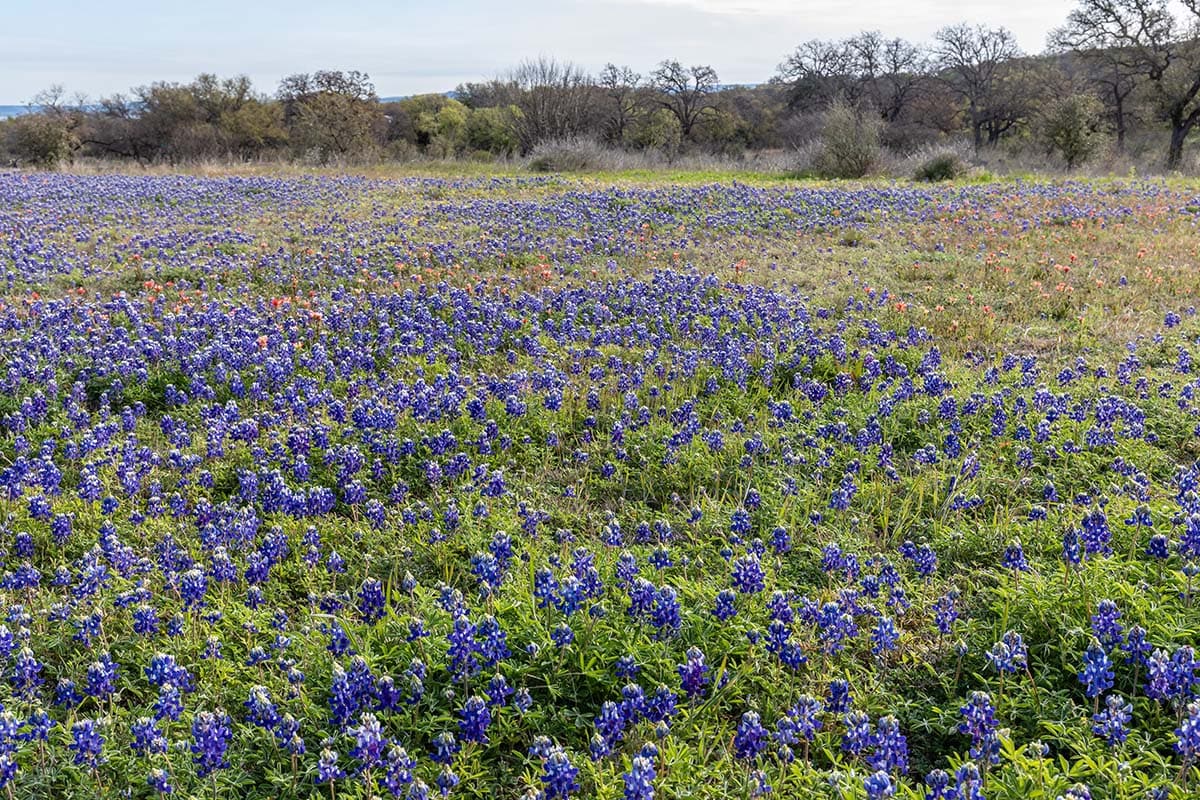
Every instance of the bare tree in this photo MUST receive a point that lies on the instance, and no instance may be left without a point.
(819, 72)
(974, 59)
(904, 67)
(685, 92)
(867, 68)
(1146, 40)
(623, 88)
(555, 99)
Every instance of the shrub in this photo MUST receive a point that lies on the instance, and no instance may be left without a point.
(1070, 127)
(850, 142)
(945, 165)
(493, 130)
(657, 130)
(568, 155)
(43, 140)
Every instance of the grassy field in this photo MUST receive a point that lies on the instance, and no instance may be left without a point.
(617, 486)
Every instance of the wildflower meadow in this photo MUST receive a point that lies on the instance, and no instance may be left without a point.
(518, 487)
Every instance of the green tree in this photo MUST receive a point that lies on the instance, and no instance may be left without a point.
(1070, 127)
(333, 114)
(657, 130)
(493, 130)
(41, 139)
(46, 136)
(439, 123)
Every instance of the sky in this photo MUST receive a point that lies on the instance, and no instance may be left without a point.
(414, 46)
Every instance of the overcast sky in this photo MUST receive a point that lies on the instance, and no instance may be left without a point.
(413, 46)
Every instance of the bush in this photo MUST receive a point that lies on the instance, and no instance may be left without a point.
(493, 130)
(568, 155)
(942, 166)
(657, 130)
(42, 140)
(850, 142)
(1071, 127)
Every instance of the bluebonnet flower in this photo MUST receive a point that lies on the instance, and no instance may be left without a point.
(1105, 625)
(464, 662)
(924, 558)
(694, 673)
(1187, 735)
(169, 703)
(498, 691)
(369, 741)
(1014, 558)
(26, 677)
(1158, 547)
(884, 637)
(87, 744)
(1009, 654)
(857, 735)
(939, 788)
(878, 786)
(806, 714)
(979, 722)
(748, 575)
(1097, 674)
(147, 738)
(751, 737)
(1112, 722)
(160, 781)
(193, 585)
(1135, 646)
(562, 635)
(287, 733)
(968, 782)
(610, 726)
(1072, 553)
(558, 775)
(372, 606)
(665, 614)
(327, 767)
(945, 612)
(835, 626)
(399, 770)
(101, 677)
(446, 780)
(211, 734)
(445, 747)
(838, 698)
(474, 719)
(639, 780)
(40, 724)
(1096, 535)
(725, 608)
(890, 752)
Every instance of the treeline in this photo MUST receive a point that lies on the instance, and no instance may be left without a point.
(1116, 68)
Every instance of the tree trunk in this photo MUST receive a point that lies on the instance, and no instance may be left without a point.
(1179, 132)
(1119, 113)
